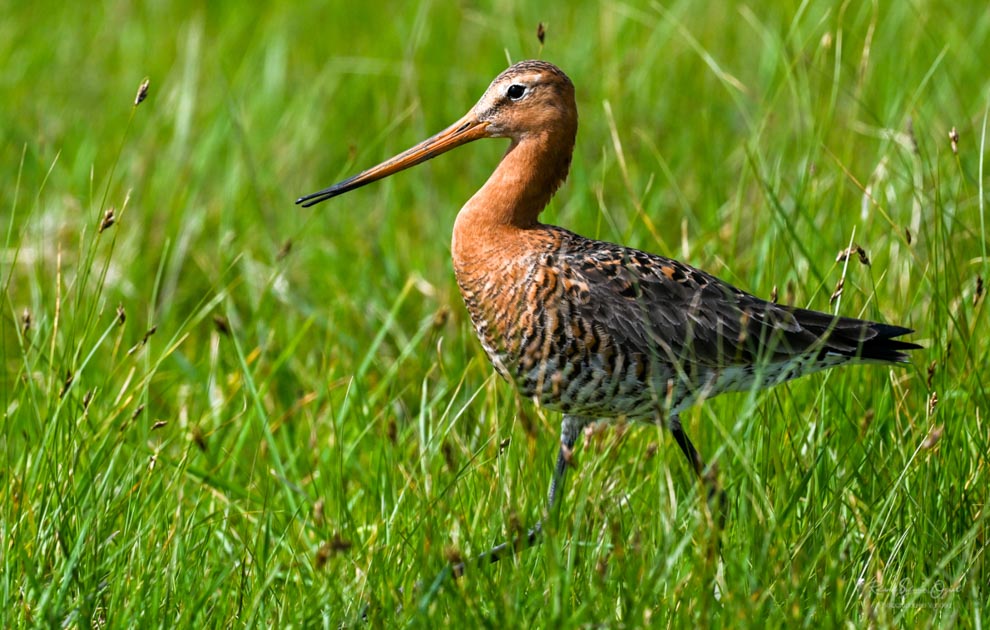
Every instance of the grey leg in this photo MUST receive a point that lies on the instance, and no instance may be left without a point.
(683, 441)
(708, 475)
(570, 429)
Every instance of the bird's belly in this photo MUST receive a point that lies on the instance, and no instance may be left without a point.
(591, 385)
(568, 365)
(565, 364)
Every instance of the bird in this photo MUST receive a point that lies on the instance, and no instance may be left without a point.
(593, 329)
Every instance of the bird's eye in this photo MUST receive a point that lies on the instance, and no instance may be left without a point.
(515, 91)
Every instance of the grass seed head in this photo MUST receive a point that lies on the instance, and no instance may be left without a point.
(142, 92)
(441, 316)
(911, 137)
(867, 420)
(863, 258)
(338, 544)
(322, 555)
(318, 515)
(933, 437)
(109, 218)
(222, 324)
(66, 384)
(853, 249)
(197, 436)
(448, 456)
(838, 291)
(651, 450)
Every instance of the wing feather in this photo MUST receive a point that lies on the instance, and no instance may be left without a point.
(684, 316)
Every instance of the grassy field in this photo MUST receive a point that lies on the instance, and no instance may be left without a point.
(221, 409)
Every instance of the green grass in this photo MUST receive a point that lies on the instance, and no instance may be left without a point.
(312, 428)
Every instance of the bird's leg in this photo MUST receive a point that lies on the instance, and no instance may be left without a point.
(716, 495)
(570, 429)
(707, 474)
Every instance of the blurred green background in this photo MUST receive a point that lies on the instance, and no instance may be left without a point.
(224, 409)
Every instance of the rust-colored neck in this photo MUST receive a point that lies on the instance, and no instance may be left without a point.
(529, 174)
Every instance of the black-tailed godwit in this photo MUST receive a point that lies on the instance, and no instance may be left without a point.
(598, 330)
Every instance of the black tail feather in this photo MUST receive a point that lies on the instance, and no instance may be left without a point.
(866, 340)
(884, 347)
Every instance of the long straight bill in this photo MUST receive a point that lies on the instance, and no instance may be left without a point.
(464, 130)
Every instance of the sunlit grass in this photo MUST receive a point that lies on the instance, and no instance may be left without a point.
(221, 409)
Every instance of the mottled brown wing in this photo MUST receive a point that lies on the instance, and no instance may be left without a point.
(686, 317)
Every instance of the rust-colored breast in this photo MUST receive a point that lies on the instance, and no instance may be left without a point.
(535, 317)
